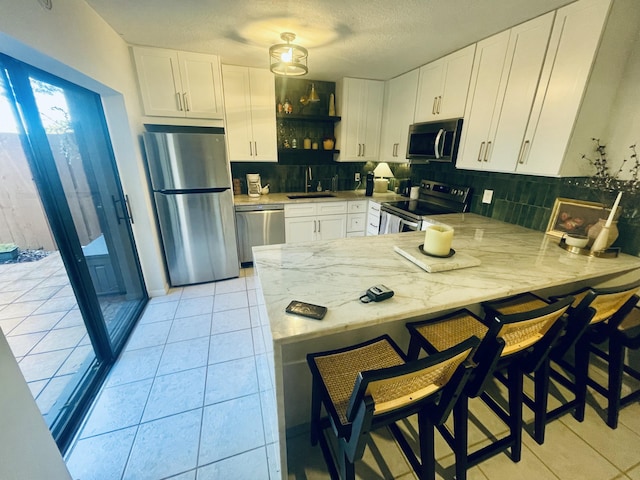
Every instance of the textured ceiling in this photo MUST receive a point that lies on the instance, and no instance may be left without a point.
(376, 39)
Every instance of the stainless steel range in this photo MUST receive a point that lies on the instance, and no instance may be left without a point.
(434, 198)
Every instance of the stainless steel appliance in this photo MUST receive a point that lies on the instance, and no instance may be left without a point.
(191, 186)
(434, 198)
(434, 141)
(258, 225)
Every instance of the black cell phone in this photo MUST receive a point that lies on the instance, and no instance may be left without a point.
(316, 312)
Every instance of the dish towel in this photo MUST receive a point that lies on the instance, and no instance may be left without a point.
(393, 224)
(384, 216)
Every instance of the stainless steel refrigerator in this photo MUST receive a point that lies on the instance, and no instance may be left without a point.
(191, 186)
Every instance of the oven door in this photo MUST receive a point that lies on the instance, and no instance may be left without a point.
(392, 221)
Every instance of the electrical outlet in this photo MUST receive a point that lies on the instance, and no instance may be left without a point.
(487, 196)
(357, 176)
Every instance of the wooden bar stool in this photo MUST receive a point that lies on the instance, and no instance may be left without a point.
(622, 333)
(518, 343)
(370, 385)
(590, 307)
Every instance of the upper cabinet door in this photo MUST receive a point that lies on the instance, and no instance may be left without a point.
(263, 114)
(360, 109)
(483, 97)
(565, 75)
(398, 113)
(159, 81)
(237, 100)
(456, 83)
(202, 85)
(443, 86)
(179, 84)
(249, 95)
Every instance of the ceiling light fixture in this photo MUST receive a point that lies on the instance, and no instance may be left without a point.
(288, 59)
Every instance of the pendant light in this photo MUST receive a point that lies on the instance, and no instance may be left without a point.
(288, 59)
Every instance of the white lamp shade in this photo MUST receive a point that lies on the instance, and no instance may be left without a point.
(383, 170)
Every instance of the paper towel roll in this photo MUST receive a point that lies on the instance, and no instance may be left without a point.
(414, 193)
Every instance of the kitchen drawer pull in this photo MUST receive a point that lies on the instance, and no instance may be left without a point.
(522, 151)
(179, 101)
(480, 152)
(486, 152)
(186, 101)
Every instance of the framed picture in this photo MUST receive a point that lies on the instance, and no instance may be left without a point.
(574, 216)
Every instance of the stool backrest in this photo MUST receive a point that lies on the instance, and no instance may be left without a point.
(592, 306)
(509, 336)
(394, 388)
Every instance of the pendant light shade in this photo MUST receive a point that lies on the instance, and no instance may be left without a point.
(288, 59)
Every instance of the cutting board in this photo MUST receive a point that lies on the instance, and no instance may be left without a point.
(435, 264)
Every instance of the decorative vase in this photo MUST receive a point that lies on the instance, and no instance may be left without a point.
(332, 106)
(594, 231)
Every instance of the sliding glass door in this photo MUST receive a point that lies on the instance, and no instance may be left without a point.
(64, 138)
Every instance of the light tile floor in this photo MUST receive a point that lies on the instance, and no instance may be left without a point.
(44, 328)
(183, 402)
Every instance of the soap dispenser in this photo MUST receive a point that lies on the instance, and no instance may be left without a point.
(319, 187)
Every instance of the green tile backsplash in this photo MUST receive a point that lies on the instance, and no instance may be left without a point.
(519, 199)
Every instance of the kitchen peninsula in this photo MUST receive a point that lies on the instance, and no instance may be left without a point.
(336, 273)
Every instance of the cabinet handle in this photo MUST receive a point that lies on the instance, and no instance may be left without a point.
(315, 228)
(179, 101)
(524, 148)
(186, 101)
(480, 152)
(318, 226)
(439, 104)
(395, 149)
(363, 146)
(433, 106)
(486, 152)
(250, 150)
(255, 148)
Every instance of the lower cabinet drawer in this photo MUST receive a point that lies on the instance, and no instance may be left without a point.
(356, 222)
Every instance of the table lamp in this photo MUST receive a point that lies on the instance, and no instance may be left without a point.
(381, 184)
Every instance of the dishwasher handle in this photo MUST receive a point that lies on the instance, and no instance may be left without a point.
(259, 207)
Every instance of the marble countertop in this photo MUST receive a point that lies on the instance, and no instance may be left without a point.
(338, 196)
(336, 273)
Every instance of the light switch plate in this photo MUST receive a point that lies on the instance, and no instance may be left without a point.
(487, 196)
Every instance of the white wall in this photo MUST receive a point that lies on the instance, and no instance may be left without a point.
(73, 42)
(27, 449)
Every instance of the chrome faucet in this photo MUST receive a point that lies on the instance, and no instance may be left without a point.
(308, 177)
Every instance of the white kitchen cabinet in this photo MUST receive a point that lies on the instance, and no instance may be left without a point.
(571, 82)
(179, 84)
(398, 113)
(503, 84)
(360, 109)
(443, 86)
(546, 133)
(250, 112)
(356, 218)
(373, 218)
(304, 222)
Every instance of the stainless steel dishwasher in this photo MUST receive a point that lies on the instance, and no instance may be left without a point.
(258, 225)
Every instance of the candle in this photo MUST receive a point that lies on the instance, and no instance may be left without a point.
(437, 240)
(613, 210)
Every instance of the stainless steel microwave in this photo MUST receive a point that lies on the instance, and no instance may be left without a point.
(434, 141)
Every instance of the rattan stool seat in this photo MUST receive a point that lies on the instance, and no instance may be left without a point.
(451, 330)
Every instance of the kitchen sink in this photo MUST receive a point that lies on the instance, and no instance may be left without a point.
(310, 195)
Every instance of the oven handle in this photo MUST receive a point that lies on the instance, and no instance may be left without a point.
(411, 225)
